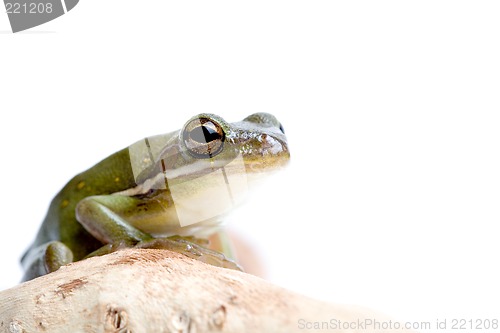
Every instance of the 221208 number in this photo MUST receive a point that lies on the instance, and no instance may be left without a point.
(28, 8)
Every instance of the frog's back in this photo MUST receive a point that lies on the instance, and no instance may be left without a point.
(112, 174)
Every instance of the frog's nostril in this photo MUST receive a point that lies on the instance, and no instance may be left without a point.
(282, 129)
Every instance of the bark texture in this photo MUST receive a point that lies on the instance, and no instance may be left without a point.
(160, 291)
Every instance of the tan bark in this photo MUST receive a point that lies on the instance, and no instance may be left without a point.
(160, 291)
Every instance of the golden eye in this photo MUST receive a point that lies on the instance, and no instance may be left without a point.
(203, 137)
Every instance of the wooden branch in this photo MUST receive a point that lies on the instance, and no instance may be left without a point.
(160, 291)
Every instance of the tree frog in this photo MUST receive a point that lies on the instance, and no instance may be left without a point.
(168, 191)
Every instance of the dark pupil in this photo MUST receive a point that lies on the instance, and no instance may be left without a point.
(203, 134)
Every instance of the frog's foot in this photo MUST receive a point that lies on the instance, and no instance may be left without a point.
(106, 249)
(191, 247)
(45, 259)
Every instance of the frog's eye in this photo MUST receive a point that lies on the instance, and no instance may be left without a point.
(203, 137)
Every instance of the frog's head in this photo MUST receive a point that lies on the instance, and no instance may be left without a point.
(207, 165)
(258, 142)
(254, 147)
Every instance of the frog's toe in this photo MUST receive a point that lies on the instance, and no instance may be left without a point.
(219, 260)
(45, 259)
(56, 255)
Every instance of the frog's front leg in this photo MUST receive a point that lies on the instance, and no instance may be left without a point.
(102, 216)
(99, 215)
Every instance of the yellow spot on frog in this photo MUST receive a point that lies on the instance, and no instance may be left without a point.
(117, 179)
(64, 203)
(80, 185)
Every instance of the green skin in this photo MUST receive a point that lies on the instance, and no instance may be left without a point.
(108, 207)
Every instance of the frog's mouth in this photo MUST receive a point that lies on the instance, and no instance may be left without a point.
(266, 164)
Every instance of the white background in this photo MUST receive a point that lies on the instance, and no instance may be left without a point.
(391, 109)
